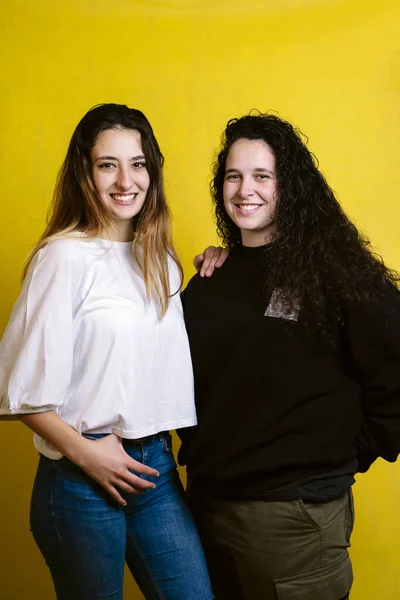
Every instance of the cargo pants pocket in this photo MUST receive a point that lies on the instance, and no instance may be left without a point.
(332, 582)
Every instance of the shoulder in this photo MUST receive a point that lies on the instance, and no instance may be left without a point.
(219, 277)
(388, 301)
(62, 257)
(390, 304)
(194, 282)
(67, 250)
(199, 288)
(392, 293)
(381, 318)
(64, 249)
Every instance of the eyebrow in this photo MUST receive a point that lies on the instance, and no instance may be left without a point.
(140, 157)
(258, 170)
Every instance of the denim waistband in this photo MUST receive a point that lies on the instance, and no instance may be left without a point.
(161, 435)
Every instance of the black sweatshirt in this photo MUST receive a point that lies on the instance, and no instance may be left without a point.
(273, 407)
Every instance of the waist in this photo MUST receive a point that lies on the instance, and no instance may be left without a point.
(161, 435)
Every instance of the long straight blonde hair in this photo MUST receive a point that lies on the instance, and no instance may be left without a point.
(76, 206)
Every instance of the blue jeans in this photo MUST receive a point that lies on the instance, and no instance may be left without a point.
(85, 537)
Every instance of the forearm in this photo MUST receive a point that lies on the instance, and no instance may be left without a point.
(104, 460)
(58, 433)
(380, 435)
(371, 349)
(367, 450)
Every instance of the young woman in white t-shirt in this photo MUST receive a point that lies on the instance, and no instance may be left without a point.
(95, 360)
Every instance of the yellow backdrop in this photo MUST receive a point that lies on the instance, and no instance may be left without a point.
(332, 67)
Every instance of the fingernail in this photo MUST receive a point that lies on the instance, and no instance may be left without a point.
(157, 474)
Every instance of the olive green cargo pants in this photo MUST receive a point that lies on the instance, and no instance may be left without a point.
(260, 550)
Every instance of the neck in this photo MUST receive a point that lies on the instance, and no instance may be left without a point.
(253, 239)
(120, 231)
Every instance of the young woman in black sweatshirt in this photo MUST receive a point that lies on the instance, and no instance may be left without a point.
(295, 344)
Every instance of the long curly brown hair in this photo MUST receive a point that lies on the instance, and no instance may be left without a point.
(319, 261)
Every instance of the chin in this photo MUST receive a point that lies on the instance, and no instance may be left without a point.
(125, 216)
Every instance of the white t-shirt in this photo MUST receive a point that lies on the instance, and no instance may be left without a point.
(83, 341)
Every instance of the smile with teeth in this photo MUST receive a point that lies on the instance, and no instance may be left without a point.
(124, 199)
(248, 207)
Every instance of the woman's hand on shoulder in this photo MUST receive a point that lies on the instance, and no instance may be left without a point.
(212, 258)
(106, 461)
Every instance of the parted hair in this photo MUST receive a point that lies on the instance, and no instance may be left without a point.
(76, 206)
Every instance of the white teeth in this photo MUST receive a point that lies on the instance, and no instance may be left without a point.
(125, 198)
(248, 207)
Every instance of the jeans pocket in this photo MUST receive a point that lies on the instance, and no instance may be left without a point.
(167, 442)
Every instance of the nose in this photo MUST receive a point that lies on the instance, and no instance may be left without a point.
(246, 188)
(124, 178)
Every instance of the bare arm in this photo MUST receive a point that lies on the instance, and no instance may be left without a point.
(104, 460)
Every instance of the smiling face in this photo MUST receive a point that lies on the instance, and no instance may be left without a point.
(120, 177)
(250, 190)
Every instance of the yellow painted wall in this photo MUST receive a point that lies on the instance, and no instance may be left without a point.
(332, 67)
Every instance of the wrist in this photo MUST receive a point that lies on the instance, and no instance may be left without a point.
(79, 451)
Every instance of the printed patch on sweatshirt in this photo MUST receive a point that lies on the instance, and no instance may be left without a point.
(279, 308)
